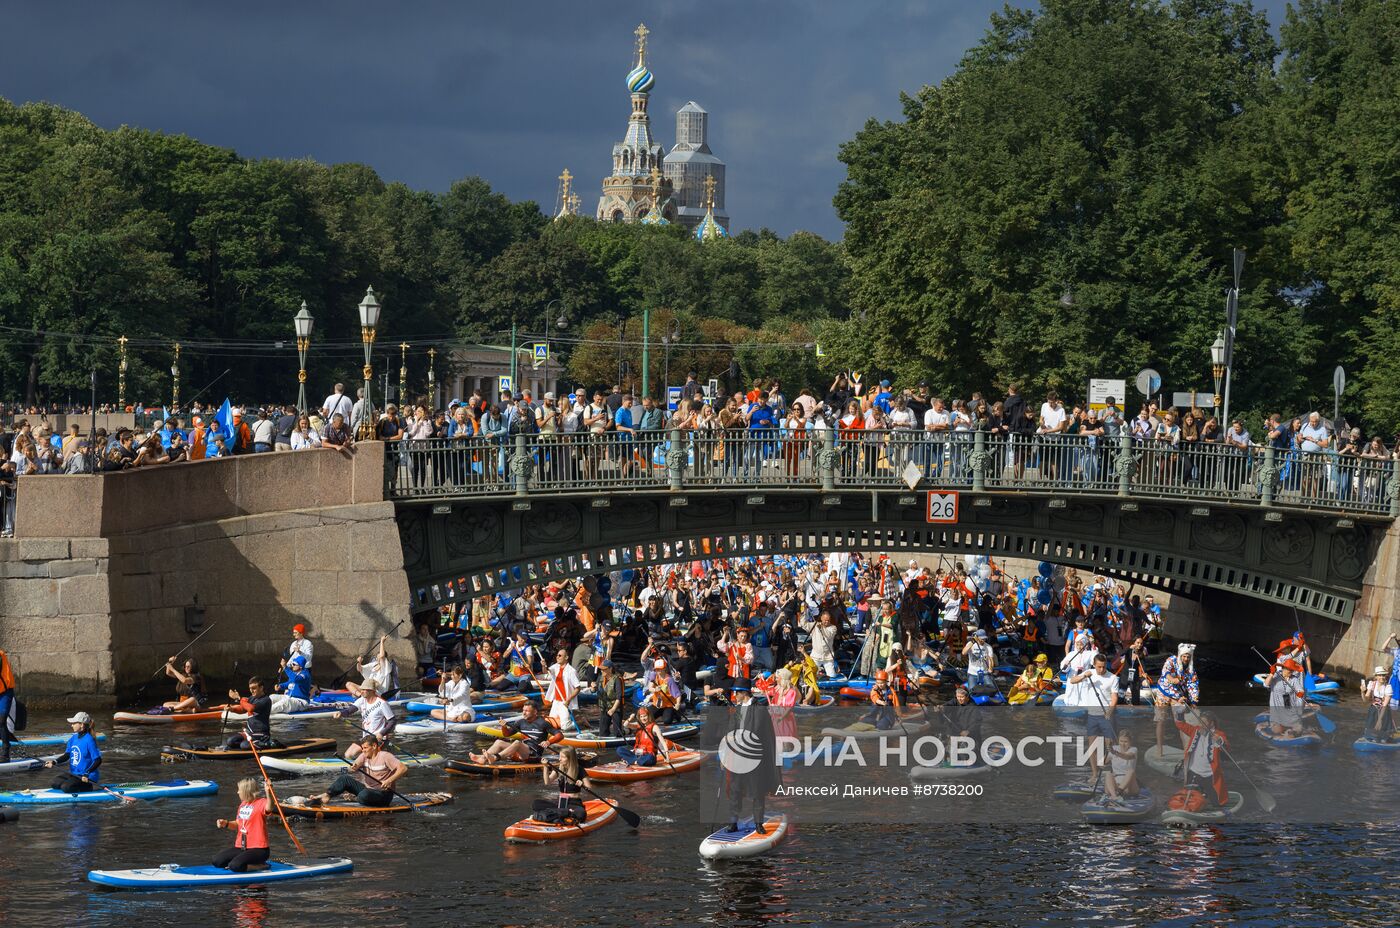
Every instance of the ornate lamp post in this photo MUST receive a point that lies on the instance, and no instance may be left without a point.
(432, 378)
(669, 340)
(369, 321)
(175, 381)
(562, 322)
(403, 374)
(303, 323)
(1217, 367)
(121, 374)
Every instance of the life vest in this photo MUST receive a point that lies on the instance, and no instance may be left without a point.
(646, 741)
(884, 696)
(661, 694)
(7, 673)
(737, 661)
(1029, 633)
(1188, 799)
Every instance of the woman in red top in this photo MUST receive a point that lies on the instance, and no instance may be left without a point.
(250, 847)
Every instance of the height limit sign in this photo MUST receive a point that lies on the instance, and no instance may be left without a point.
(942, 507)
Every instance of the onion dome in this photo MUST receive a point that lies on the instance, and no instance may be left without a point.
(640, 79)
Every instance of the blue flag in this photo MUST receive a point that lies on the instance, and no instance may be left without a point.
(224, 419)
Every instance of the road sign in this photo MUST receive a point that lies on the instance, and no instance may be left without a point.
(673, 398)
(942, 507)
(541, 355)
(1101, 388)
(1339, 380)
(1149, 382)
(503, 384)
(1193, 400)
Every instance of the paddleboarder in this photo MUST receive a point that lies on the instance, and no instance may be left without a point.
(751, 728)
(81, 756)
(610, 701)
(1121, 781)
(648, 744)
(539, 732)
(1037, 678)
(295, 690)
(250, 848)
(383, 672)
(1102, 688)
(376, 715)
(456, 691)
(370, 777)
(1177, 687)
(1286, 699)
(9, 707)
(563, 691)
(190, 693)
(1205, 749)
(1379, 696)
(568, 808)
(301, 646)
(258, 707)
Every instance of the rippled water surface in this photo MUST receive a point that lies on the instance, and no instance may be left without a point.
(451, 866)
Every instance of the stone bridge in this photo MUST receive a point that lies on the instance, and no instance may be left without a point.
(110, 574)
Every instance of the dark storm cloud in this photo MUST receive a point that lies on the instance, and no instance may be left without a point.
(427, 93)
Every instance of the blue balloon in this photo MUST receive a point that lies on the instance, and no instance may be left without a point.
(604, 585)
(1044, 597)
(1047, 569)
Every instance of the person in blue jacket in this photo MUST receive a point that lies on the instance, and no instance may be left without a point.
(294, 693)
(82, 758)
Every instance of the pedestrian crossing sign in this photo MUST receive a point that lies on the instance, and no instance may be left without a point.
(541, 354)
(504, 384)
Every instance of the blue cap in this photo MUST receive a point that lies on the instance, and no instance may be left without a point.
(884, 383)
(607, 664)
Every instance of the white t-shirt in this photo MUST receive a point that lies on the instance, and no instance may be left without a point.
(337, 403)
(936, 419)
(458, 694)
(902, 418)
(1123, 766)
(375, 718)
(1076, 662)
(1052, 417)
(1311, 435)
(1107, 687)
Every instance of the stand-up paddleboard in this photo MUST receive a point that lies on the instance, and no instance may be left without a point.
(592, 740)
(422, 726)
(494, 703)
(1126, 811)
(174, 876)
(163, 789)
(1367, 745)
(1205, 815)
(169, 718)
(746, 842)
(28, 763)
(865, 731)
(50, 740)
(1060, 707)
(1166, 761)
(823, 703)
(620, 772)
(1076, 790)
(1315, 685)
(948, 771)
(833, 684)
(1308, 739)
(529, 831)
(339, 808)
(311, 766)
(513, 768)
(177, 752)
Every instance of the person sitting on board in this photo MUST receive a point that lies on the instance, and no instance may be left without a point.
(568, 809)
(804, 671)
(81, 757)
(456, 693)
(648, 745)
(250, 850)
(258, 707)
(1177, 687)
(562, 694)
(1121, 781)
(376, 715)
(901, 674)
(295, 691)
(518, 664)
(884, 703)
(1204, 757)
(662, 693)
(189, 687)
(539, 732)
(370, 777)
(1286, 699)
(1037, 678)
(383, 672)
(1379, 696)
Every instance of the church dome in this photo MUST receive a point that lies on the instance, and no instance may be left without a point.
(640, 79)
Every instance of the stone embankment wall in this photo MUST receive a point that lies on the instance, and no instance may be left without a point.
(112, 574)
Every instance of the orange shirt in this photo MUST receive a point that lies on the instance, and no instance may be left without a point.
(252, 827)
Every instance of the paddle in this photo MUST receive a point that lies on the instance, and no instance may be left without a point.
(161, 669)
(223, 717)
(392, 791)
(632, 819)
(339, 681)
(267, 782)
(384, 739)
(123, 797)
(1266, 800)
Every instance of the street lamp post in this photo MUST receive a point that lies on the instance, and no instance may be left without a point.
(560, 323)
(646, 351)
(671, 337)
(302, 323)
(121, 374)
(1217, 367)
(175, 382)
(1232, 314)
(432, 378)
(403, 375)
(369, 321)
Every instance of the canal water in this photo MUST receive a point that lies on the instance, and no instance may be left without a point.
(451, 866)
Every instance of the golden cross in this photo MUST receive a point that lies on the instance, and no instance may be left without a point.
(709, 191)
(573, 203)
(403, 352)
(122, 341)
(432, 356)
(177, 351)
(564, 179)
(642, 32)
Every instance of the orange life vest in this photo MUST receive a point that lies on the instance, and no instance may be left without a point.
(7, 673)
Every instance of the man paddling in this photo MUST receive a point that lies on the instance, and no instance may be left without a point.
(376, 716)
(563, 691)
(258, 707)
(370, 777)
(1102, 697)
(1205, 749)
(539, 732)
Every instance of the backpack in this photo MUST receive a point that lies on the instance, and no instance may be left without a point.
(524, 424)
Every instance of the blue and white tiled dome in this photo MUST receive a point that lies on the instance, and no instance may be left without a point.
(640, 79)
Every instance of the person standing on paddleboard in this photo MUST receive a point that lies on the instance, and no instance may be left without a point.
(370, 778)
(1100, 696)
(562, 695)
(1391, 647)
(1205, 750)
(751, 725)
(9, 707)
(250, 848)
(1079, 659)
(81, 756)
(1379, 696)
(610, 701)
(1177, 687)
(258, 707)
(376, 715)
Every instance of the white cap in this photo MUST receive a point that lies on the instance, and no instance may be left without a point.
(1184, 648)
(549, 396)
(1380, 672)
(81, 717)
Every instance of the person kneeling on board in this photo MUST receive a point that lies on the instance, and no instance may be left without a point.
(250, 848)
(569, 808)
(370, 779)
(82, 757)
(258, 707)
(538, 731)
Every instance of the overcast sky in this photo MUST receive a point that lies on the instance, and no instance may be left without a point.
(427, 93)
